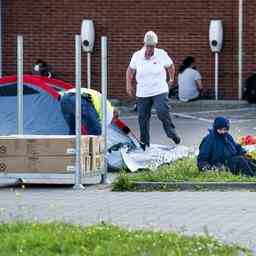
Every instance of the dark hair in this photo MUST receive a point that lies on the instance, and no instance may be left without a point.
(186, 63)
(44, 69)
(41, 62)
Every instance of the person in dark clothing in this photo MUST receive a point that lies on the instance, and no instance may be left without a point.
(91, 114)
(218, 150)
(42, 68)
(250, 89)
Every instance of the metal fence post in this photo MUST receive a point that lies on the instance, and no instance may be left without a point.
(89, 72)
(216, 76)
(104, 89)
(240, 50)
(20, 84)
(78, 185)
(1, 38)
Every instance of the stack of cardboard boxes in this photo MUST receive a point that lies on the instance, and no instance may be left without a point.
(49, 154)
(96, 152)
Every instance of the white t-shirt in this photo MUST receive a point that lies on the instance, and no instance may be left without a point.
(187, 84)
(151, 74)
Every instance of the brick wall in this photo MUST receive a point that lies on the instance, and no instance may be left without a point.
(249, 55)
(49, 28)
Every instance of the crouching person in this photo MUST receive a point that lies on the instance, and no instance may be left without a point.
(218, 150)
(91, 113)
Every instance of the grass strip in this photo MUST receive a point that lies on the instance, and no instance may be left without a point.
(50, 239)
(184, 170)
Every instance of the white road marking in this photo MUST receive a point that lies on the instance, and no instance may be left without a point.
(222, 110)
(193, 116)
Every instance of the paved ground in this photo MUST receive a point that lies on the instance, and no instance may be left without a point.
(230, 216)
(193, 126)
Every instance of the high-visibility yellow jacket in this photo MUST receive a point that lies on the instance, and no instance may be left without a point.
(96, 101)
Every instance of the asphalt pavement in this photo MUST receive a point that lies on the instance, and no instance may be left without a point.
(193, 126)
(228, 216)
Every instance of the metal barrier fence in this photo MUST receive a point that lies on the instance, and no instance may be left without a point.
(78, 178)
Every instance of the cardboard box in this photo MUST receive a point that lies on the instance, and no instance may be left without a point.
(27, 145)
(102, 146)
(96, 145)
(87, 164)
(97, 162)
(39, 164)
(10, 146)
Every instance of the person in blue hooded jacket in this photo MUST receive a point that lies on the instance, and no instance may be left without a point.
(218, 150)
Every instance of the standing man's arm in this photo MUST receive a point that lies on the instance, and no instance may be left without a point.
(129, 78)
(170, 68)
(171, 74)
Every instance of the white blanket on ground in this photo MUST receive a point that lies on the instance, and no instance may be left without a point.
(250, 148)
(152, 157)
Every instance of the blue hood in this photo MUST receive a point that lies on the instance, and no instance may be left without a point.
(220, 123)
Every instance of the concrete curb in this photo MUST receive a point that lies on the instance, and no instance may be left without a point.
(193, 186)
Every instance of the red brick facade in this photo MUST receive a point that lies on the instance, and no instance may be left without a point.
(49, 28)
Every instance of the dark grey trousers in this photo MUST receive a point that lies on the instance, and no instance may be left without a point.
(161, 105)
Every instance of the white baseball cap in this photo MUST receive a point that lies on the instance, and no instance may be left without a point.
(150, 38)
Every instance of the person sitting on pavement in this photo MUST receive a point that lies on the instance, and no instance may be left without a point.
(42, 68)
(218, 150)
(91, 113)
(189, 81)
(250, 89)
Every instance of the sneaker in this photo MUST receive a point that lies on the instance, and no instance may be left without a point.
(143, 146)
(177, 140)
(135, 108)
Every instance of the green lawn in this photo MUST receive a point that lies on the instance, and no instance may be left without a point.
(182, 170)
(104, 240)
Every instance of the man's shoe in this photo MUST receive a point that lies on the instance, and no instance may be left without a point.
(143, 146)
(177, 140)
(135, 108)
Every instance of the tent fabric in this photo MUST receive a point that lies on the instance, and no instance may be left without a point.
(43, 116)
(42, 112)
(29, 79)
(120, 139)
(56, 83)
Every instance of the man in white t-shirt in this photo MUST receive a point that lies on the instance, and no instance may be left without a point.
(189, 81)
(150, 65)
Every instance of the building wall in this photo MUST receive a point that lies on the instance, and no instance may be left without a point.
(49, 28)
